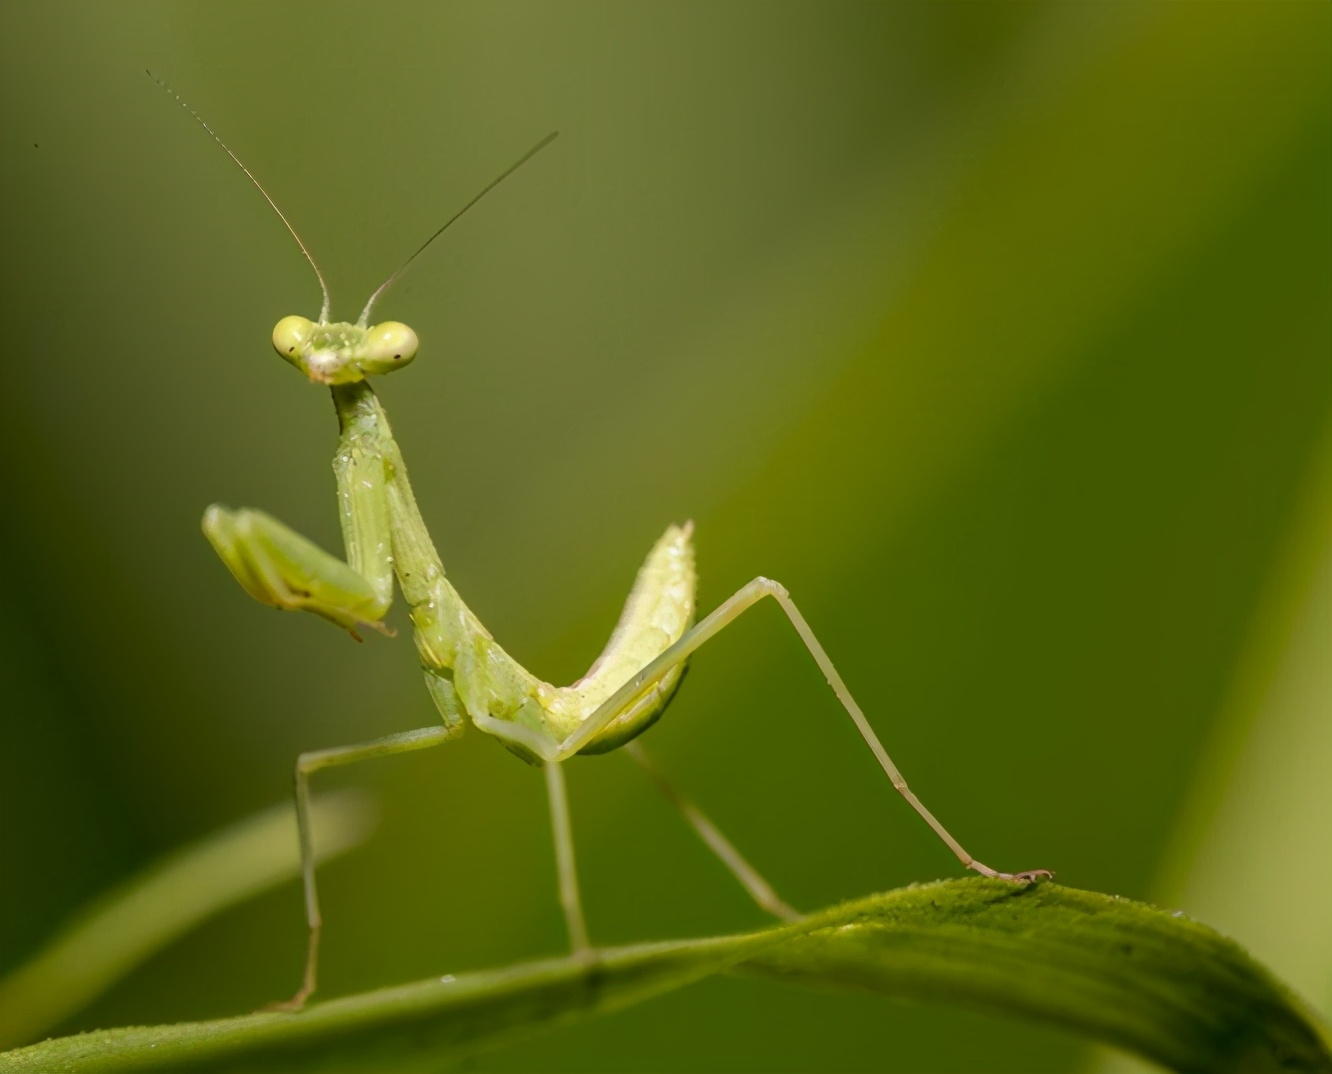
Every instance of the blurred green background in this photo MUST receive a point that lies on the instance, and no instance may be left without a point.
(998, 332)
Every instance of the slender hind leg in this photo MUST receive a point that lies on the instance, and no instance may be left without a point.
(307, 764)
(727, 613)
(759, 889)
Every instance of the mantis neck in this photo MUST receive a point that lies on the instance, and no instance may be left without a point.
(449, 637)
(365, 430)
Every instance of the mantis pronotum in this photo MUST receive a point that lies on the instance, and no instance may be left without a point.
(468, 675)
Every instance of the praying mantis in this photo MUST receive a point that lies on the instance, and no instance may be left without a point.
(468, 675)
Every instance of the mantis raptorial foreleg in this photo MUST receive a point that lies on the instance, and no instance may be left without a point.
(279, 567)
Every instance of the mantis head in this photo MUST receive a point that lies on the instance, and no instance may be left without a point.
(343, 353)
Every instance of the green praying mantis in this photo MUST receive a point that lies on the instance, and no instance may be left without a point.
(467, 674)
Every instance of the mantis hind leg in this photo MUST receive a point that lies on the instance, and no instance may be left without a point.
(708, 628)
(306, 765)
(750, 879)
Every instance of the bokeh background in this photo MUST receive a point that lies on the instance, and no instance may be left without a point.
(998, 332)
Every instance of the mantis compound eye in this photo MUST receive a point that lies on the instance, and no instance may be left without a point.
(290, 336)
(387, 347)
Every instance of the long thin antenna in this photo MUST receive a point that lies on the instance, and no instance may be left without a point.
(323, 313)
(365, 313)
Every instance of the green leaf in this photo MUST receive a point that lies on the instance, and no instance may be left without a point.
(1106, 968)
(1109, 969)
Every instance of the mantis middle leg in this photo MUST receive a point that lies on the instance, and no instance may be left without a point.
(405, 742)
(570, 901)
(306, 765)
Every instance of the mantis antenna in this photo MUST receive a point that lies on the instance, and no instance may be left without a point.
(323, 286)
(323, 311)
(365, 313)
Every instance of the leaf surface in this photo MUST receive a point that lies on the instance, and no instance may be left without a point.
(1105, 968)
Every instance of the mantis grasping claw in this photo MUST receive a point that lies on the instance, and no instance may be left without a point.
(467, 674)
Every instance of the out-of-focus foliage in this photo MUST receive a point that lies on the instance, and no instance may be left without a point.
(998, 333)
(116, 933)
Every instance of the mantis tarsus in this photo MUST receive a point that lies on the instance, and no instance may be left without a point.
(467, 674)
